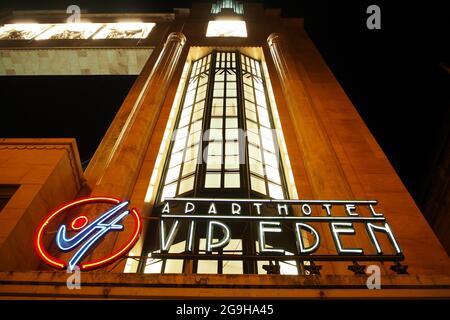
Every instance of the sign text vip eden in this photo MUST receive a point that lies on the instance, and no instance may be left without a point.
(308, 220)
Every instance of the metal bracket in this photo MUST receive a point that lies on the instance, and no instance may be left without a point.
(357, 269)
(400, 268)
(312, 268)
(272, 268)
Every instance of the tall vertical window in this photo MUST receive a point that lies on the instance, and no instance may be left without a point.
(224, 146)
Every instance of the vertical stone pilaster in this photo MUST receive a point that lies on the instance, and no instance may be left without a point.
(125, 158)
(323, 169)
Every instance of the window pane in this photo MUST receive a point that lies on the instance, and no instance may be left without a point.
(273, 174)
(197, 115)
(216, 122)
(256, 167)
(207, 266)
(191, 153)
(231, 122)
(231, 148)
(194, 138)
(254, 153)
(214, 162)
(215, 134)
(169, 191)
(215, 148)
(199, 106)
(186, 112)
(231, 162)
(179, 144)
(176, 159)
(275, 191)
(231, 93)
(233, 267)
(219, 85)
(271, 159)
(231, 102)
(261, 99)
(196, 126)
(231, 77)
(217, 102)
(181, 133)
(186, 185)
(268, 145)
(184, 121)
(252, 126)
(173, 174)
(212, 180)
(232, 134)
(231, 111)
(250, 106)
(174, 266)
(251, 115)
(258, 184)
(253, 138)
(231, 85)
(189, 167)
(232, 180)
(217, 111)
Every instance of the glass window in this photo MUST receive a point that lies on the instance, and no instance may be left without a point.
(232, 180)
(258, 184)
(247, 165)
(186, 184)
(212, 180)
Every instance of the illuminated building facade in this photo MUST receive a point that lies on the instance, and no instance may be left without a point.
(249, 166)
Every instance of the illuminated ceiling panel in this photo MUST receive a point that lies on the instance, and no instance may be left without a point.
(125, 31)
(70, 31)
(227, 28)
(25, 31)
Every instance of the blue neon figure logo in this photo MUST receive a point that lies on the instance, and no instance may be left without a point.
(98, 228)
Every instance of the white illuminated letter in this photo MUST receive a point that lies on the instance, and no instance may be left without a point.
(284, 207)
(386, 229)
(190, 207)
(349, 208)
(166, 208)
(212, 209)
(190, 239)
(209, 236)
(345, 228)
(166, 242)
(327, 207)
(258, 208)
(300, 243)
(262, 237)
(374, 213)
(235, 208)
(306, 209)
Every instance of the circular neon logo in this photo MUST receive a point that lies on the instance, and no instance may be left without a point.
(84, 234)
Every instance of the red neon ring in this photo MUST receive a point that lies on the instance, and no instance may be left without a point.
(59, 264)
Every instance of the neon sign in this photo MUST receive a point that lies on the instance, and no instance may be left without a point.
(306, 222)
(84, 235)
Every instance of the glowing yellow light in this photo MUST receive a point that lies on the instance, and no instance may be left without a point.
(22, 31)
(125, 30)
(227, 28)
(70, 31)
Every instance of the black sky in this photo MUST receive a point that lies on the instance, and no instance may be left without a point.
(391, 75)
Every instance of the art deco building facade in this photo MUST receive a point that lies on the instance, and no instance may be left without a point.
(240, 151)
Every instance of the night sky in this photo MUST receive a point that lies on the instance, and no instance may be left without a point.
(393, 77)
